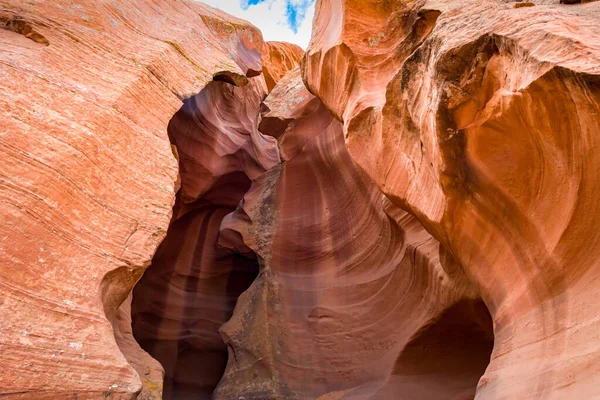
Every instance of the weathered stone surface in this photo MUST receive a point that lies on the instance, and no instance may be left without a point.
(278, 58)
(411, 213)
(88, 177)
(191, 287)
(481, 120)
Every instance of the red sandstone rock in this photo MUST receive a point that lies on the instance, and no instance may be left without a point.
(480, 119)
(439, 167)
(348, 281)
(191, 287)
(88, 178)
(278, 58)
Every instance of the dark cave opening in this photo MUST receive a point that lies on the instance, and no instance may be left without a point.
(446, 358)
(192, 284)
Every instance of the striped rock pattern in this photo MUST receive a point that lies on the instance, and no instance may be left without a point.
(481, 119)
(353, 297)
(89, 178)
(192, 286)
(409, 213)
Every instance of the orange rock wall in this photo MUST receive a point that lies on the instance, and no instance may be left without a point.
(348, 281)
(480, 119)
(89, 178)
(410, 212)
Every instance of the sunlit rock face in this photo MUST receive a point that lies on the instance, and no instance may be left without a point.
(279, 58)
(480, 118)
(408, 210)
(89, 178)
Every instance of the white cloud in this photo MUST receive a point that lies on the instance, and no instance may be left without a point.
(273, 17)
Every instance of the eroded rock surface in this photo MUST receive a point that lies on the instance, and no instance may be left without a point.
(89, 178)
(481, 120)
(191, 287)
(348, 281)
(411, 213)
(278, 58)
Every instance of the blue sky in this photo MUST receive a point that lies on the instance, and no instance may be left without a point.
(283, 20)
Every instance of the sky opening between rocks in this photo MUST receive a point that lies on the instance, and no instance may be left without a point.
(280, 20)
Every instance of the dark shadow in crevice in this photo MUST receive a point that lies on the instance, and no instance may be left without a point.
(446, 358)
(192, 285)
(22, 27)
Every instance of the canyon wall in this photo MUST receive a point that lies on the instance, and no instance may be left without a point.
(349, 283)
(407, 210)
(89, 177)
(481, 119)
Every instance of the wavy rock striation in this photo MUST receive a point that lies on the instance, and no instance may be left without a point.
(89, 177)
(192, 286)
(479, 119)
(353, 293)
(278, 59)
(408, 213)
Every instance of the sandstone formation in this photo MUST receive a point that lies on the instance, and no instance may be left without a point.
(279, 58)
(333, 307)
(89, 177)
(192, 286)
(481, 119)
(408, 210)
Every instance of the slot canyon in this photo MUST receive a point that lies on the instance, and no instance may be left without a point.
(404, 210)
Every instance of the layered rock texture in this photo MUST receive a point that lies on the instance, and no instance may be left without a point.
(333, 308)
(407, 210)
(89, 177)
(481, 119)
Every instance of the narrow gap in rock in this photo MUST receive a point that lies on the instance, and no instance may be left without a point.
(193, 284)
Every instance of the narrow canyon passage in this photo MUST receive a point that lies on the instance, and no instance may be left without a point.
(407, 208)
(185, 296)
(192, 285)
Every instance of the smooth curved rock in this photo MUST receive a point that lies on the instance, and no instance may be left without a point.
(480, 119)
(411, 213)
(192, 286)
(216, 133)
(348, 282)
(278, 58)
(88, 178)
(188, 292)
